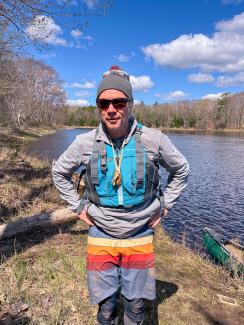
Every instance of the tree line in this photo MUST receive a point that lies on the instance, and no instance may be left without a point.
(226, 112)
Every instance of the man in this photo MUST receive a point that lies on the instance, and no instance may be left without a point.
(123, 201)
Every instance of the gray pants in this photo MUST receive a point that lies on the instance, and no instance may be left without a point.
(133, 311)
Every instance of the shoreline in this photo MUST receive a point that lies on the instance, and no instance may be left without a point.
(190, 130)
(30, 134)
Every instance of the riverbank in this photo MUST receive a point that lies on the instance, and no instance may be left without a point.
(36, 132)
(207, 131)
(43, 273)
(164, 129)
(16, 137)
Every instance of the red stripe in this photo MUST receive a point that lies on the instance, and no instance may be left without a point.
(106, 261)
(101, 262)
(138, 257)
(99, 266)
(138, 261)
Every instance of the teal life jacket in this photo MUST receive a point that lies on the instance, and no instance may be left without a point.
(140, 177)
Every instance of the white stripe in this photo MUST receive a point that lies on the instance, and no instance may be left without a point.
(120, 196)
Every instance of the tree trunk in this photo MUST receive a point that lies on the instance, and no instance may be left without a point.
(36, 222)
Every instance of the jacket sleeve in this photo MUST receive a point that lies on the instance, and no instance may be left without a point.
(177, 167)
(62, 170)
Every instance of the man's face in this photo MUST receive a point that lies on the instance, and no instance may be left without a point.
(116, 120)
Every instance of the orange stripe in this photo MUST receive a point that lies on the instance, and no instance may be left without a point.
(101, 250)
(102, 258)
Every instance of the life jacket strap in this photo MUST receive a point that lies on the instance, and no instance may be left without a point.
(139, 157)
(103, 156)
(99, 150)
(90, 190)
(94, 162)
(152, 180)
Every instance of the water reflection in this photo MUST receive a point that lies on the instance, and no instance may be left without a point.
(51, 146)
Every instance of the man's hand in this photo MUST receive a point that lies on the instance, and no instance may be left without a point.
(86, 218)
(156, 220)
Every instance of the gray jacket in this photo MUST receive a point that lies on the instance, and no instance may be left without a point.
(116, 221)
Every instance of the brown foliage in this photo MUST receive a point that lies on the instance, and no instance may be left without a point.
(31, 93)
(202, 114)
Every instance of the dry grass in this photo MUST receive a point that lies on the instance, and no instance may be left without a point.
(237, 253)
(199, 285)
(43, 280)
(46, 273)
(26, 186)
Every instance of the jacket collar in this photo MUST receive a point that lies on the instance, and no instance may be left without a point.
(102, 134)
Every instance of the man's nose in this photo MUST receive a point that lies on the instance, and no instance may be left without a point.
(111, 108)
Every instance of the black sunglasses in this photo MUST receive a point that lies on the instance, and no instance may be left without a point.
(118, 103)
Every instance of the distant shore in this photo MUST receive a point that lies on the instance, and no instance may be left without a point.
(30, 134)
(192, 130)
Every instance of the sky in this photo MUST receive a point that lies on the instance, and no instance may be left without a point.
(173, 50)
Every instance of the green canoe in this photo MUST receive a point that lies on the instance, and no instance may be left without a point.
(226, 252)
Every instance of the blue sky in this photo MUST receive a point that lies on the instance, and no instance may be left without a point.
(173, 50)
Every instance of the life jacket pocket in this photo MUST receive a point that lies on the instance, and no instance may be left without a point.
(129, 177)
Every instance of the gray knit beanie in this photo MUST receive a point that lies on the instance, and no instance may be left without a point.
(116, 78)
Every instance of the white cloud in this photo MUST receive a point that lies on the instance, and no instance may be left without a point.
(77, 102)
(85, 85)
(142, 83)
(222, 52)
(200, 78)
(83, 93)
(212, 96)
(233, 80)
(76, 33)
(137, 102)
(44, 29)
(177, 94)
(125, 58)
(174, 95)
(122, 57)
(233, 25)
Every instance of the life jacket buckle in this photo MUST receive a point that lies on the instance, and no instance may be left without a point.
(103, 162)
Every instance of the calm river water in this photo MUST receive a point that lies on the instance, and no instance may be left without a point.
(215, 193)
